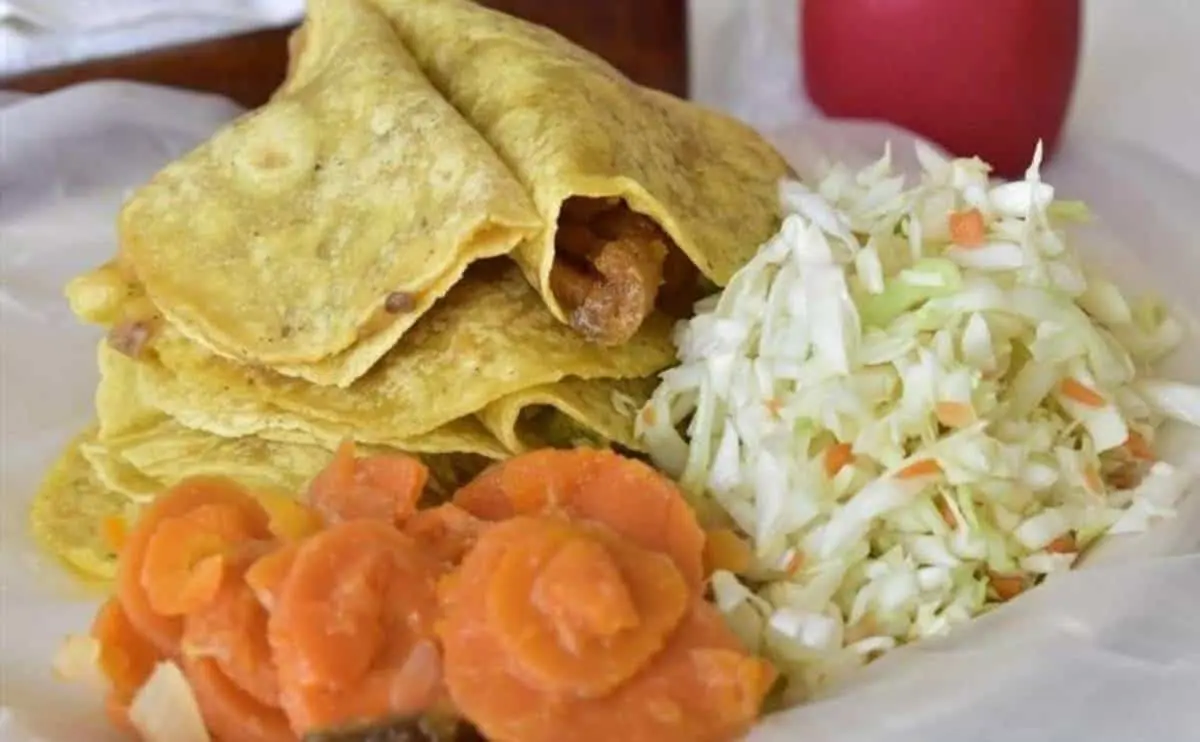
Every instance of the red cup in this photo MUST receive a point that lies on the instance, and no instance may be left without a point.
(979, 77)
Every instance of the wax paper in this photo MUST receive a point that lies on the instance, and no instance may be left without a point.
(1108, 653)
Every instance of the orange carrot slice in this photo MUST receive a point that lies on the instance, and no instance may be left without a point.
(384, 488)
(1077, 391)
(359, 598)
(578, 610)
(954, 414)
(126, 657)
(725, 550)
(266, 576)
(446, 532)
(228, 711)
(185, 557)
(920, 468)
(665, 699)
(837, 456)
(289, 519)
(232, 631)
(164, 631)
(967, 228)
(626, 495)
(413, 688)
(116, 710)
(1139, 448)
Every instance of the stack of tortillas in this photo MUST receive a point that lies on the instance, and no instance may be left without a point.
(450, 233)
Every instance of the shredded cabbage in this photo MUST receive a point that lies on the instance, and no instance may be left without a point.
(863, 342)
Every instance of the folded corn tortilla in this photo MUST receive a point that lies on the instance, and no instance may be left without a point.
(569, 125)
(572, 412)
(70, 508)
(313, 233)
(490, 337)
(206, 393)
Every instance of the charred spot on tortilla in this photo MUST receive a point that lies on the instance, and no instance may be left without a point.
(398, 302)
(614, 266)
(129, 338)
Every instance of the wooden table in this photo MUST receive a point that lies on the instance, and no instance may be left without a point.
(646, 39)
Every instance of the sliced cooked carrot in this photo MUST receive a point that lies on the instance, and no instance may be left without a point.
(446, 532)
(725, 550)
(164, 631)
(920, 468)
(967, 228)
(1006, 587)
(1077, 391)
(1139, 448)
(837, 456)
(232, 631)
(338, 474)
(954, 414)
(577, 609)
(411, 690)
(581, 588)
(185, 558)
(359, 598)
(228, 711)
(116, 711)
(266, 575)
(626, 495)
(402, 477)
(667, 698)
(290, 519)
(126, 657)
(384, 488)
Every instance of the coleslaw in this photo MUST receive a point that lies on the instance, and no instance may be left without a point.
(916, 403)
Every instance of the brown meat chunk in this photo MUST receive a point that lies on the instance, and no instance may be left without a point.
(613, 266)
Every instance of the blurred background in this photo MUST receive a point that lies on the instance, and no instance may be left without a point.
(1134, 82)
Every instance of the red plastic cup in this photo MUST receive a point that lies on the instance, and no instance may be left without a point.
(979, 77)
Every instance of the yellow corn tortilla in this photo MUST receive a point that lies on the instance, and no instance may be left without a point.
(134, 395)
(69, 510)
(141, 465)
(490, 336)
(121, 407)
(279, 241)
(569, 413)
(568, 124)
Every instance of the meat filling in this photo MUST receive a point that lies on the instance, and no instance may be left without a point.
(613, 267)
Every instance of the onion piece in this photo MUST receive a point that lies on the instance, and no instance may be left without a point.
(165, 709)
